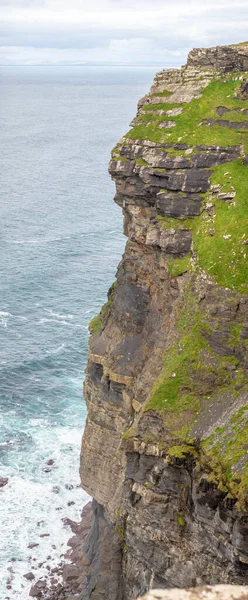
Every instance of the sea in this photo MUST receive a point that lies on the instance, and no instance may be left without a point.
(60, 243)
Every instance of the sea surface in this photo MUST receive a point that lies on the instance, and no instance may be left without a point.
(60, 243)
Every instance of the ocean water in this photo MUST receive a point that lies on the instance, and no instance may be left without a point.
(60, 242)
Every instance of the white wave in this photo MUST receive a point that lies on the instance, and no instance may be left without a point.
(7, 443)
(45, 320)
(59, 322)
(38, 500)
(28, 241)
(55, 351)
(4, 317)
(54, 314)
(41, 240)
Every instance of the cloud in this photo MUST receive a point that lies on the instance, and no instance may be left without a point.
(116, 31)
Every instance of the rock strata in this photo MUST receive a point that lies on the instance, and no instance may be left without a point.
(164, 453)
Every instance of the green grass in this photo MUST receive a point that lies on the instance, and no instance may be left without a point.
(178, 394)
(179, 518)
(117, 156)
(164, 93)
(226, 259)
(141, 162)
(97, 321)
(177, 391)
(235, 116)
(222, 452)
(181, 451)
(188, 128)
(95, 324)
(155, 118)
(191, 372)
(223, 255)
(240, 44)
(162, 106)
(179, 266)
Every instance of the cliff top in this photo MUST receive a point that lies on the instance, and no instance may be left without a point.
(221, 58)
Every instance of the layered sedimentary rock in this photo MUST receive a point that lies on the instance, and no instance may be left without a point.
(164, 452)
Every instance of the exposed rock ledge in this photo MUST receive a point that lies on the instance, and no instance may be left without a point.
(165, 448)
(217, 592)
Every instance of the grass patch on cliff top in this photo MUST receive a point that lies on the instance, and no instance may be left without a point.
(188, 128)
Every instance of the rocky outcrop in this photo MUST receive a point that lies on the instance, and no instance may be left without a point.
(217, 592)
(164, 452)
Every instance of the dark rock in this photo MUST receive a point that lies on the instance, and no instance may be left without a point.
(96, 372)
(29, 576)
(176, 205)
(37, 589)
(221, 110)
(243, 92)
(3, 481)
(72, 524)
(70, 572)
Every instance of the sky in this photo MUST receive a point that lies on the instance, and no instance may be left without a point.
(116, 32)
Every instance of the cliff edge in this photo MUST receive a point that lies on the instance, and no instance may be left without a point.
(164, 452)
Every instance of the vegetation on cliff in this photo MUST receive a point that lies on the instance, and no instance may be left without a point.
(199, 122)
(195, 372)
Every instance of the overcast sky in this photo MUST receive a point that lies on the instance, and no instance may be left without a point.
(144, 32)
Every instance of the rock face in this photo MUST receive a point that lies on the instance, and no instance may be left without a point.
(164, 452)
(217, 592)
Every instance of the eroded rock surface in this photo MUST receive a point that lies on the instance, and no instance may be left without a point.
(164, 452)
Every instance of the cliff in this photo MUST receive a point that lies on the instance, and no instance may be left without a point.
(164, 452)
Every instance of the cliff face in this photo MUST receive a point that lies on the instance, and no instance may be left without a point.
(164, 452)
